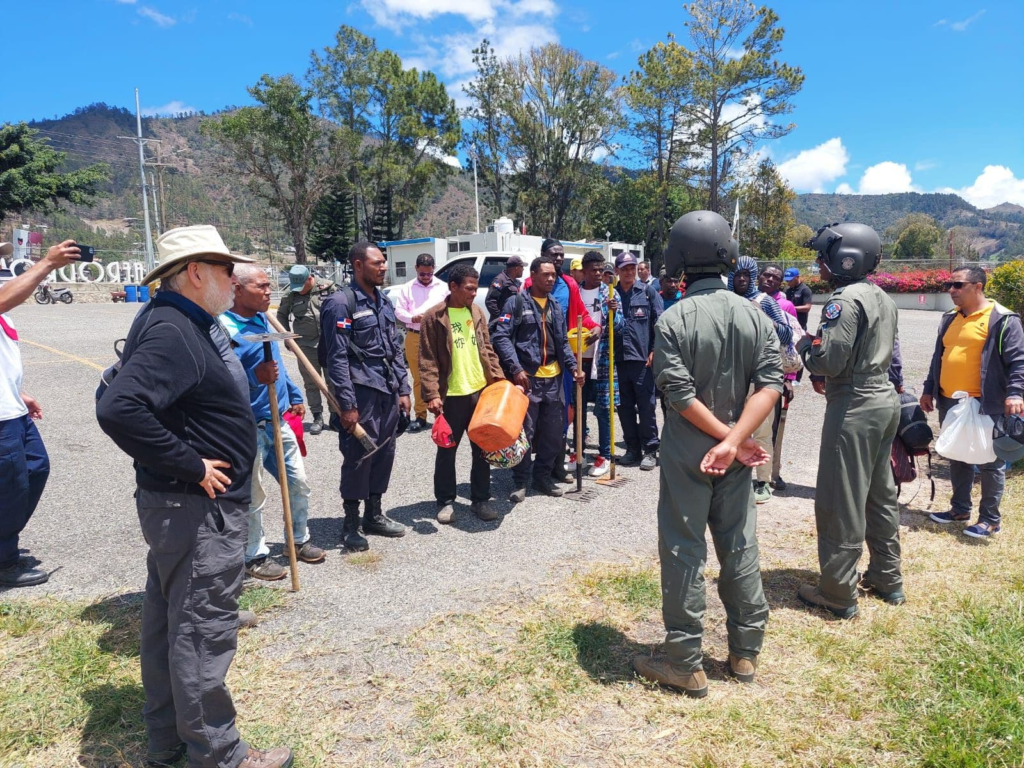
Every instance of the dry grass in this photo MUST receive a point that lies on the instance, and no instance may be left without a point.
(547, 682)
(369, 559)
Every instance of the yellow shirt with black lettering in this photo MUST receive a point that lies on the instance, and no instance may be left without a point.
(467, 374)
(962, 344)
(552, 369)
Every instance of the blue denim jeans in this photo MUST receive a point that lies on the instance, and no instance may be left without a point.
(961, 475)
(298, 488)
(24, 468)
(604, 428)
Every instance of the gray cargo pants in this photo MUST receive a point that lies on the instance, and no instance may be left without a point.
(961, 475)
(190, 623)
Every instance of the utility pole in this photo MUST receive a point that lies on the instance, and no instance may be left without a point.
(156, 208)
(141, 142)
(476, 190)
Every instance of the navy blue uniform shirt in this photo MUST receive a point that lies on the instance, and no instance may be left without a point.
(641, 307)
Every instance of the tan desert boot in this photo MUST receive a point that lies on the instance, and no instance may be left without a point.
(278, 757)
(663, 672)
(741, 668)
(809, 595)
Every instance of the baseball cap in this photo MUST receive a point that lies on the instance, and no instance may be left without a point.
(791, 273)
(608, 269)
(624, 259)
(1008, 438)
(515, 261)
(297, 277)
(576, 263)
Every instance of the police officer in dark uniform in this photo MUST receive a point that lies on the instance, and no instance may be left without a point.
(362, 356)
(505, 285)
(641, 307)
(855, 500)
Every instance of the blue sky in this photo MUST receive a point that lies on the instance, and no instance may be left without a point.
(899, 95)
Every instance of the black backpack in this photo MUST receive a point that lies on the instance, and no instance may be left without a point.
(913, 439)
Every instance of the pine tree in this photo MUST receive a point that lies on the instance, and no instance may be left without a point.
(332, 228)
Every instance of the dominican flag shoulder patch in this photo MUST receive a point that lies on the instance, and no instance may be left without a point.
(345, 325)
(505, 319)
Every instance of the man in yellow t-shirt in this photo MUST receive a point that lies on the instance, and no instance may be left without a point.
(456, 361)
(980, 351)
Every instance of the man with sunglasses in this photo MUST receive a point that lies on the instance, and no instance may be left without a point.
(980, 351)
(179, 406)
(413, 300)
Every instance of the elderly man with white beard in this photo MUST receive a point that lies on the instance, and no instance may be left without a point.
(179, 406)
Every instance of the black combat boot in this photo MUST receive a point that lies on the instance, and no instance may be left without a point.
(318, 424)
(351, 538)
(375, 523)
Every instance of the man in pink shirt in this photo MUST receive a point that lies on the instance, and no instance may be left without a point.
(771, 283)
(414, 299)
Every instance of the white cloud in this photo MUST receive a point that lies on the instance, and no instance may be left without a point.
(845, 189)
(961, 26)
(125, 2)
(925, 165)
(995, 185)
(241, 18)
(170, 108)
(397, 14)
(613, 55)
(155, 16)
(885, 178)
(811, 169)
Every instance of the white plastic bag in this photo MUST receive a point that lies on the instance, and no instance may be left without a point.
(967, 433)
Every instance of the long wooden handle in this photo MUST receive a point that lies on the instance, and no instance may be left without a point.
(282, 479)
(611, 386)
(307, 366)
(580, 405)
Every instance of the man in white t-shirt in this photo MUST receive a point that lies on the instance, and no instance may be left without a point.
(24, 465)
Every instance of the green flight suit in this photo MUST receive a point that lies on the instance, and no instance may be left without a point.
(712, 346)
(855, 499)
(305, 308)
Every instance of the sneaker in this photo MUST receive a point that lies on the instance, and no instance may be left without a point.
(600, 467)
(778, 484)
(892, 597)
(945, 518)
(810, 596)
(570, 463)
(665, 673)
(278, 757)
(742, 668)
(632, 457)
(265, 569)
(445, 513)
(167, 757)
(247, 620)
(762, 492)
(518, 496)
(547, 487)
(19, 575)
(483, 510)
(649, 462)
(310, 553)
(982, 530)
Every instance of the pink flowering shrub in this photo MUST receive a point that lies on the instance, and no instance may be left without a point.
(915, 281)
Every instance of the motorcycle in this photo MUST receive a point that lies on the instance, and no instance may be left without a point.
(46, 295)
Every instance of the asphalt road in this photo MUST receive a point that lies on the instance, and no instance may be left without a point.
(86, 531)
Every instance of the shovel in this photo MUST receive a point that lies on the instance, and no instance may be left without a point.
(610, 479)
(578, 494)
(266, 339)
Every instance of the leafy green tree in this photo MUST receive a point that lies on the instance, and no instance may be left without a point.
(30, 177)
(332, 229)
(766, 212)
(794, 246)
(1006, 285)
(739, 86)
(287, 156)
(916, 236)
(401, 124)
(563, 112)
(488, 137)
(657, 94)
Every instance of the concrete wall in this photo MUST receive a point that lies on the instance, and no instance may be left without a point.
(940, 302)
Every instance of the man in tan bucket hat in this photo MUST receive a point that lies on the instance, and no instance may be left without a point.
(179, 406)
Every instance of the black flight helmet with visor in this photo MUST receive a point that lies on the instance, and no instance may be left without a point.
(700, 242)
(851, 251)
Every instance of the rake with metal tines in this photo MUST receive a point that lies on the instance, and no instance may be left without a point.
(610, 480)
(577, 493)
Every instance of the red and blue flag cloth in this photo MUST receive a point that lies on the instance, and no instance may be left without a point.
(505, 319)
(345, 324)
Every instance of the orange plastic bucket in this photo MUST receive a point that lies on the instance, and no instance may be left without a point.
(498, 417)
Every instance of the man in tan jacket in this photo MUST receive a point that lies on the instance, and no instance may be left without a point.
(456, 362)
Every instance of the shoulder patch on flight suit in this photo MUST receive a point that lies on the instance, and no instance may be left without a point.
(832, 310)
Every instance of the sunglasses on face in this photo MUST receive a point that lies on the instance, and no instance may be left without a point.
(958, 284)
(425, 274)
(228, 265)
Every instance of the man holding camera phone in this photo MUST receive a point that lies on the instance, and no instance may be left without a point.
(24, 465)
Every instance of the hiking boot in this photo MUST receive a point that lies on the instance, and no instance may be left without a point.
(445, 513)
(547, 487)
(742, 668)
(265, 569)
(562, 476)
(278, 757)
(483, 510)
(945, 518)
(309, 553)
(518, 496)
(600, 468)
(375, 523)
(895, 597)
(631, 458)
(665, 673)
(778, 484)
(166, 757)
(982, 530)
(810, 596)
(417, 425)
(762, 493)
(649, 462)
(318, 424)
(351, 538)
(20, 575)
(247, 620)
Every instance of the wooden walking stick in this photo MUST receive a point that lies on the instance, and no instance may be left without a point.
(282, 472)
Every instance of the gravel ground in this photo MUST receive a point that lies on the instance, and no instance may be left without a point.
(85, 529)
